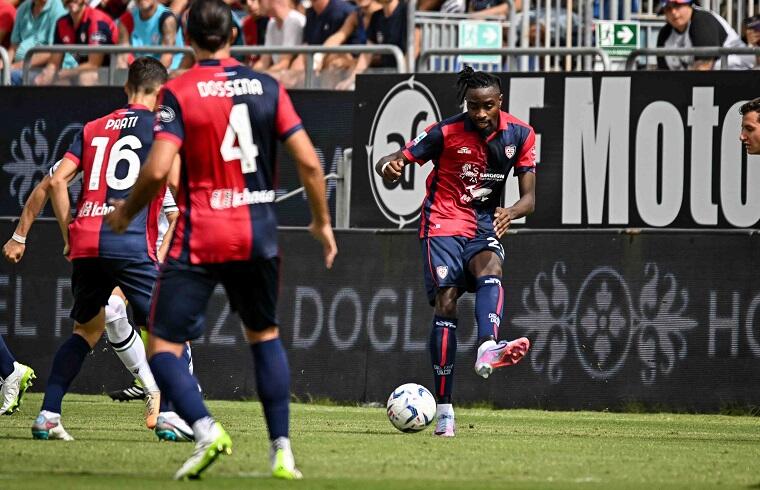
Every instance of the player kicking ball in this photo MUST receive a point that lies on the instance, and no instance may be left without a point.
(108, 152)
(224, 118)
(462, 222)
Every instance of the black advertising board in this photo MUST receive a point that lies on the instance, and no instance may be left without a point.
(614, 149)
(38, 124)
(671, 321)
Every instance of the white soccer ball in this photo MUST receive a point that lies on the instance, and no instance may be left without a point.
(411, 407)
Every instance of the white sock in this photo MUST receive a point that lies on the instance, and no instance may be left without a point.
(55, 417)
(127, 343)
(444, 409)
(204, 429)
(485, 346)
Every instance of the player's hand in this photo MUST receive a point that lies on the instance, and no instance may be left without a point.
(324, 234)
(13, 251)
(117, 219)
(391, 171)
(502, 218)
(66, 251)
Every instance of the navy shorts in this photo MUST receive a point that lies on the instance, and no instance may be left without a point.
(183, 290)
(446, 260)
(93, 280)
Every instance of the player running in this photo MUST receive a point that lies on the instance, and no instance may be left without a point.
(108, 151)
(462, 222)
(224, 118)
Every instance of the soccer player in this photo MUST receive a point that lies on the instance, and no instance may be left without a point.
(462, 222)
(750, 134)
(15, 379)
(224, 117)
(109, 152)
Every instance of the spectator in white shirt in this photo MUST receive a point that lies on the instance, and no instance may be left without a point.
(285, 28)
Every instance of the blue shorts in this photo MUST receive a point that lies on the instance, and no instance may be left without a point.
(93, 280)
(183, 290)
(446, 260)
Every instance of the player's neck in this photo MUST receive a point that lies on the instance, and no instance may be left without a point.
(142, 99)
(77, 17)
(389, 8)
(147, 14)
(202, 54)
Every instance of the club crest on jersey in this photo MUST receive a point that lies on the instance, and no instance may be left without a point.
(166, 114)
(510, 150)
(442, 271)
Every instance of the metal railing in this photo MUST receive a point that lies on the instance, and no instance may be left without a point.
(308, 51)
(342, 176)
(5, 75)
(722, 53)
(597, 52)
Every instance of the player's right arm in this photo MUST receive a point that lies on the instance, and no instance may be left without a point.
(428, 145)
(390, 166)
(312, 177)
(14, 248)
(59, 196)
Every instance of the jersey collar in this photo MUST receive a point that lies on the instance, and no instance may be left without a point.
(138, 107)
(222, 62)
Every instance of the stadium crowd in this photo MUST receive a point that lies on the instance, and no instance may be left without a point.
(282, 23)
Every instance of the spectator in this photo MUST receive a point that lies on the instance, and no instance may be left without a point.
(114, 8)
(7, 16)
(285, 28)
(34, 26)
(366, 9)
(83, 25)
(751, 34)
(492, 8)
(691, 26)
(445, 6)
(254, 27)
(386, 26)
(150, 23)
(330, 23)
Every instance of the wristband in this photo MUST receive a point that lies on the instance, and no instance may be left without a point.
(385, 165)
(18, 238)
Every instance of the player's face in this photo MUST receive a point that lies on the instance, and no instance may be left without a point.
(678, 15)
(483, 105)
(750, 135)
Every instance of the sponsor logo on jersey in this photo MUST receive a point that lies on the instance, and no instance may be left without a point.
(442, 271)
(510, 150)
(464, 151)
(98, 37)
(231, 198)
(92, 209)
(403, 114)
(165, 114)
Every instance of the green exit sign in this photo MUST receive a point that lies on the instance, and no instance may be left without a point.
(480, 34)
(617, 38)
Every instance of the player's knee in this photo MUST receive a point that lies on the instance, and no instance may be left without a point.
(446, 303)
(115, 309)
(89, 331)
(262, 335)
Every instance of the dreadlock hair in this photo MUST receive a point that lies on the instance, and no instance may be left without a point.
(469, 78)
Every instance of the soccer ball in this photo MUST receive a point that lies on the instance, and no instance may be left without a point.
(411, 407)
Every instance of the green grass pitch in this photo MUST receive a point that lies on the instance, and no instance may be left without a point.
(351, 447)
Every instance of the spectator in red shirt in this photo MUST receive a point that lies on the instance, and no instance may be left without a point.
(254, 27)
(7, 17)
(82, 25)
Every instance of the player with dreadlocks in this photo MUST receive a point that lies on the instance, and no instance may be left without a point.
(462, 221)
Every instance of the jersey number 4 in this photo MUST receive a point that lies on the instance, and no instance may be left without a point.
(123, 149)
(239, 128)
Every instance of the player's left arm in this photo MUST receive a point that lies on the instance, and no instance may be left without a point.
(525, 169)
(168, 38)
(171, 217)
(59, 197)
(150, 181)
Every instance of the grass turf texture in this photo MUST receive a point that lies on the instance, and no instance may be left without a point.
(350, 447)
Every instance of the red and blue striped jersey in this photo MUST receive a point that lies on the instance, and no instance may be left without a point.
(226, 119)
(96, 28)
(109, 152)
(469, 172)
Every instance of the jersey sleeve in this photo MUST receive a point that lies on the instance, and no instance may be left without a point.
(103, 34)
(287, 120)
(127, 21)
(74, 153)
(57, 37)
(428, 145)
(169, 205)
(526, 162)
(169, 125)
(704, 30)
